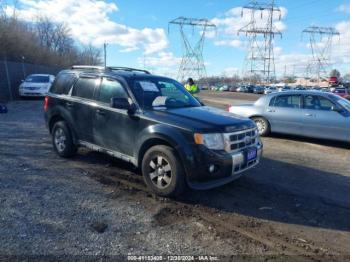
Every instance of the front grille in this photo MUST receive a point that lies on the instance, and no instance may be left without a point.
(241, 140)
(32, 88)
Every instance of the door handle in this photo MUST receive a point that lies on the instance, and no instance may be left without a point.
(308, 114)
(69, 104)
(100, 112)
(271, 110)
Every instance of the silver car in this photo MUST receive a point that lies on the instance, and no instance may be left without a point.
(305, 113)
(36, 85)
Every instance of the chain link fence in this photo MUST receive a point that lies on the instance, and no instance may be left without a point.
(12, 73)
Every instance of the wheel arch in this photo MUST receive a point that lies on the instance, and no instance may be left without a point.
(58, 117)
(165, 135)
(155, 141)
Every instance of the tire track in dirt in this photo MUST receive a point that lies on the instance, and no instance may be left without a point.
(178, 211)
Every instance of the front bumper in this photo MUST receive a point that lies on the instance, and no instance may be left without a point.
(229, 167)
(32, 93)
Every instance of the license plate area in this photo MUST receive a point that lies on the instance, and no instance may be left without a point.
(252, 154)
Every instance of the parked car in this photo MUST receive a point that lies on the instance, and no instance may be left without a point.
(153, 123)
(259, 90)
(270, 89)
(36, 85)
(300, 88)
(224, 88)
(285, 88)
(242, 89)
(233, 88)
(343, 92)
(305, 113)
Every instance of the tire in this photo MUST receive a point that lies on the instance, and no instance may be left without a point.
(62, 140)
(163, 172)
(263, 126)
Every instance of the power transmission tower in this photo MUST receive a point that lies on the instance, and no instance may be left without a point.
(192, 63)
(260, 59)
(321, 41)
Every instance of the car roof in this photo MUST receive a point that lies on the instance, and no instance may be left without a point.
(126, 73)
(301, 92)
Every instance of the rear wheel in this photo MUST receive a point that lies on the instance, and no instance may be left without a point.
(62, 140)
(163, 172)
(263, 126)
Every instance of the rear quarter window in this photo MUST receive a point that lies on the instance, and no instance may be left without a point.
(85, 87)
(63, 84)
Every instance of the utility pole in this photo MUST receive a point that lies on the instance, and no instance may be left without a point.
(105, 53)
(260, 57)
(320, 61)
(192, 63)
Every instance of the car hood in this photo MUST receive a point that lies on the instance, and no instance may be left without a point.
(202, 119)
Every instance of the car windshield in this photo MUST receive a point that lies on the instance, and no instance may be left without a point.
(345, 103)
(155, 93)
(37, 79)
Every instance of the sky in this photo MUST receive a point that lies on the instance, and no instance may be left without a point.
(137, 31)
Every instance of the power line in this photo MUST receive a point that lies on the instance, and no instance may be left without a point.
(192, 63)
(260, 59)
(321, 40)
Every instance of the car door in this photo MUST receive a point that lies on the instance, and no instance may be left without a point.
(284, 114)
(82, 105)
(321, 120)
(114, 129)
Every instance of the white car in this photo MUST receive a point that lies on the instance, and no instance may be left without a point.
(36, 85)
(269, 90)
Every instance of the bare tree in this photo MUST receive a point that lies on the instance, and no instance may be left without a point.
(44, 42)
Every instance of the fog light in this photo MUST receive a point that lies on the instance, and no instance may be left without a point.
(238, 159)
(212, 168)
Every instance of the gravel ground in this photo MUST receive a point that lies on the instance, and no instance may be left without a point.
(295, 205)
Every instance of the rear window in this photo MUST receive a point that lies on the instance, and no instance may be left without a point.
(85, 87)
(37, 79)
(63, 84)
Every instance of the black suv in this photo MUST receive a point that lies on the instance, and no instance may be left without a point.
(151, 122)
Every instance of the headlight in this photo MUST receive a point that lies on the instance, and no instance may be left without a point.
(211, 141)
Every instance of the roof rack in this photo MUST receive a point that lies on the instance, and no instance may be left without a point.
(129, 69)
(111, 68)
(86, 67)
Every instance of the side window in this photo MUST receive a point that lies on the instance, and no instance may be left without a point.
(287, 101)
(318, 103)
(63, 84)
(85, 87)
(272, 102)
(111, 89)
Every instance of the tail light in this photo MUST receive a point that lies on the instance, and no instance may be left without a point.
(46, 103)
(228, 108)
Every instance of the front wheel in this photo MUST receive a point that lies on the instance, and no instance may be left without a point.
(263, 126)
(163, 172)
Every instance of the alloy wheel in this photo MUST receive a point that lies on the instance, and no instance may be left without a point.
(60, 139)
(160, 172)
(261, 126)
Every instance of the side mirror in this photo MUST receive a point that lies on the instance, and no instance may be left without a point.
(123, 103)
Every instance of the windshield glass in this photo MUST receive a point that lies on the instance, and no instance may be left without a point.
(153, 93)
(37, 79)
(345, 103)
